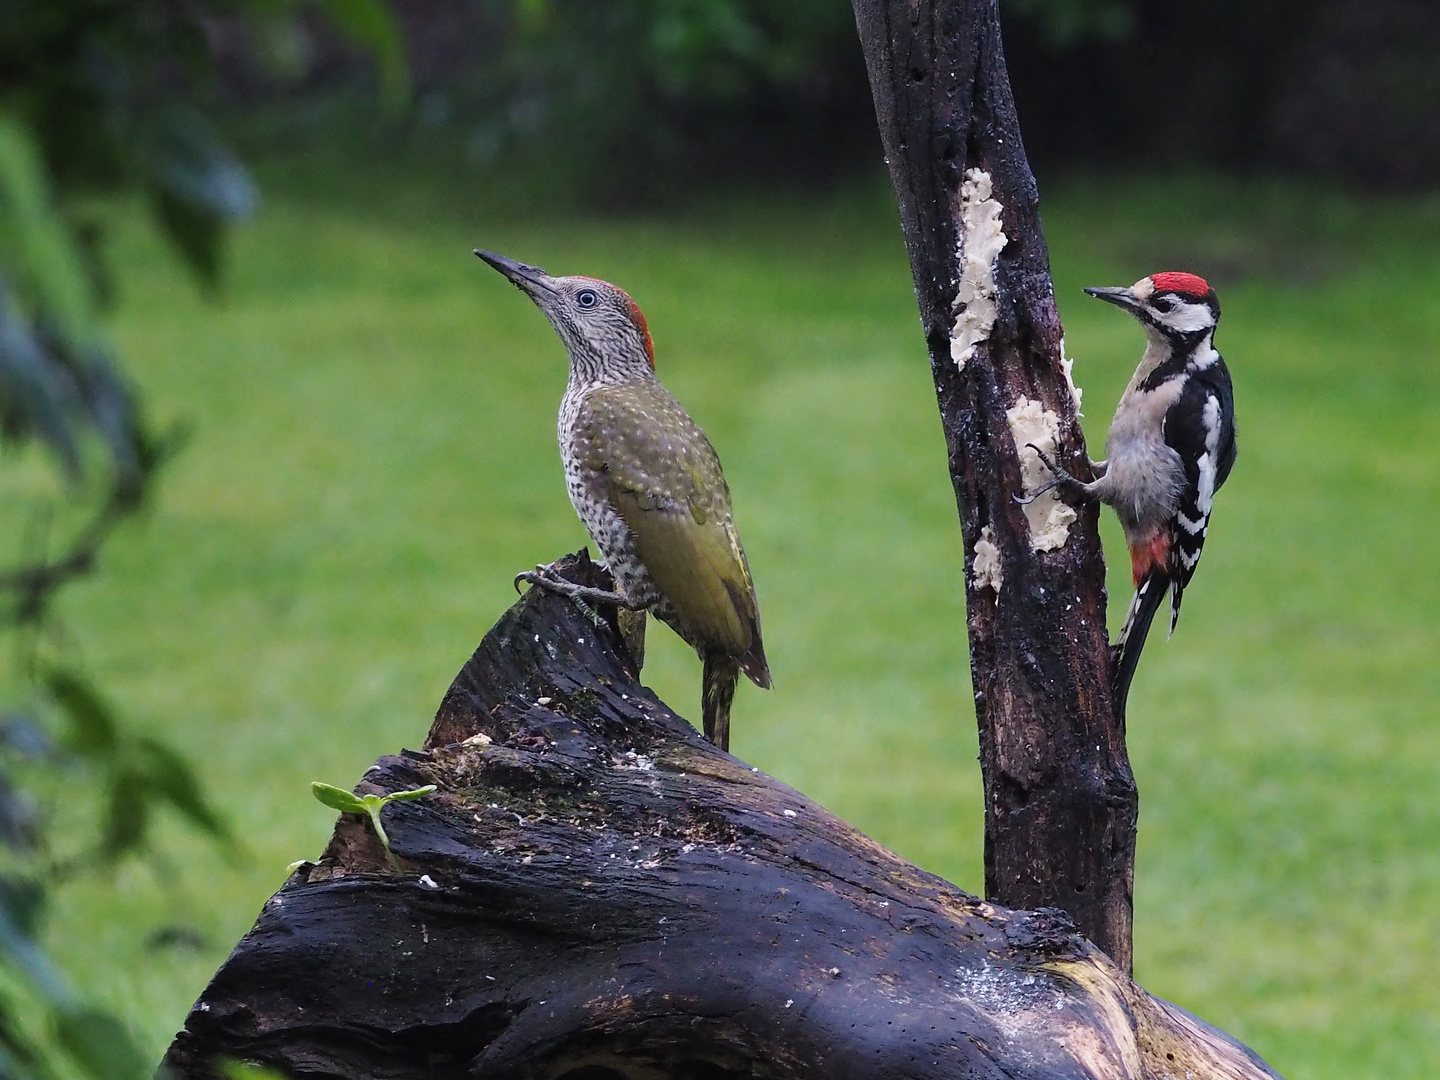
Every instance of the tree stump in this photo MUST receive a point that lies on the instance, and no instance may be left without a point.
(595, 892)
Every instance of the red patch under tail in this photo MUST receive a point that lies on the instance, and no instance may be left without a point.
(1150, 552)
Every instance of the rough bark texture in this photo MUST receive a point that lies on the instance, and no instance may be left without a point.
(594, 892)
(1061, 804)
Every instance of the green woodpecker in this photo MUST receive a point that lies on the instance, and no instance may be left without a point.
(648, 487)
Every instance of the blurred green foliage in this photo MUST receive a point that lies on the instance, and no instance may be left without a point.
(1066, 23)
(100, 104)
(638, 97)
(640, 101)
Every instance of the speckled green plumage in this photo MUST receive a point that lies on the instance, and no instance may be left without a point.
(662, 477)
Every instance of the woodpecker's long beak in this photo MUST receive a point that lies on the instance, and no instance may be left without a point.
(523, 277)
(1120, 297)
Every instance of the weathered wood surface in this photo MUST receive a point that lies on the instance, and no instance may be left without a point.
(1061, 803)
(596, 892)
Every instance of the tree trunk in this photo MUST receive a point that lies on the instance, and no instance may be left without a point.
(594, 892)
(1060, 799)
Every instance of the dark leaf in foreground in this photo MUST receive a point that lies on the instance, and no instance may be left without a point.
(199, 187)
(169, 776)
(37, 395)
(92, 733)
(372, 25)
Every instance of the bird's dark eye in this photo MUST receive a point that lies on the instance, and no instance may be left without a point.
(1164, 304)
(587, 298)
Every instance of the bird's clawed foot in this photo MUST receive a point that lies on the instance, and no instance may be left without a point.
(545, 577)
(1062, 479)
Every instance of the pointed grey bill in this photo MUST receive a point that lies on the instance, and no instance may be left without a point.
(1119, 296)
(527, 278)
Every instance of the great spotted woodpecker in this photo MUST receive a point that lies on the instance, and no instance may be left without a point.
(1171, 446)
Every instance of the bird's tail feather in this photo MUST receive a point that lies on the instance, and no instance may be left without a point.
(716, 693)
(1149, 595)
(1177, 590)
(755, 666)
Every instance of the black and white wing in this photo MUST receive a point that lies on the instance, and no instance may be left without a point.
(1200, 426)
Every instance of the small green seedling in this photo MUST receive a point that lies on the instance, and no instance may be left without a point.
(370, 805)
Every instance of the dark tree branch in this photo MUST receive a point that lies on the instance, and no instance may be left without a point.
(1060, 800)
(596, 893)
(32, 585)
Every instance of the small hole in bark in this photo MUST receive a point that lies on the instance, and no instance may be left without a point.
(1080, 887)
(916, 75)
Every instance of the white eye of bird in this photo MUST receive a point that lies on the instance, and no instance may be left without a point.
(587, 298)
(1164, 304)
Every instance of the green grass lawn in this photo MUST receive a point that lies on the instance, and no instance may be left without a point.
(374, 459)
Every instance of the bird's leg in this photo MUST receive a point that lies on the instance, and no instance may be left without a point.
(546, 578)
(1062, 480)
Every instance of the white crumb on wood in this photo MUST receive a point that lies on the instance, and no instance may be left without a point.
(986, 570)
(981, 240)
(1067, 365)
(1049, 518)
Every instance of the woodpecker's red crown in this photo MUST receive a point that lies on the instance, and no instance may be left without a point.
(1177, 281)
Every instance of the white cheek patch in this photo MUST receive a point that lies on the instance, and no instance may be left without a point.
(1049, 518)
(1187, 318)
(986, 570)
(981, 241)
